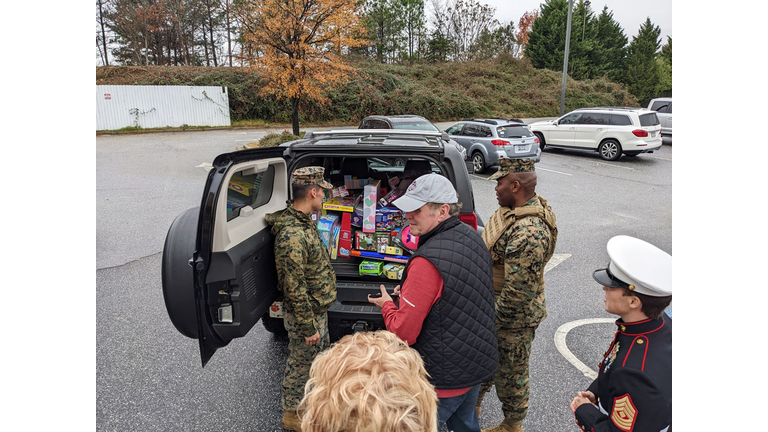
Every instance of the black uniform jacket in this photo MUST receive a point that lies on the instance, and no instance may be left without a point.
(634, 383)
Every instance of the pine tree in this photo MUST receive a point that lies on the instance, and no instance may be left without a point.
(546, 43)
(611, 55)
(643, 73)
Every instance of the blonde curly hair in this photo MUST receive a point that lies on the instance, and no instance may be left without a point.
(368, 382)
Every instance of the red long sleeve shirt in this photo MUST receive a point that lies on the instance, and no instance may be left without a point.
(421, 290)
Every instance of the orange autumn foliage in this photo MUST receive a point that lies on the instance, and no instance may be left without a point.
(525, 25)
(297, 45)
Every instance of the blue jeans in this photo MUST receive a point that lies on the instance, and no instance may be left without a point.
(459, 413)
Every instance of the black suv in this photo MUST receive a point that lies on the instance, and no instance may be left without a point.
(218, 269)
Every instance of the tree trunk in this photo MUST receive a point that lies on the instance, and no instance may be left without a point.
(295, 115)
(210, 31)
(103, 34)
(229, 38)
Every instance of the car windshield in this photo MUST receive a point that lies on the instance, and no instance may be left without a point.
(650, 119)
(415, 126)
(513, 131)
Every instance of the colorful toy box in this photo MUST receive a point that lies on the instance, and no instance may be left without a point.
(328, 226)
(345, 204)
(365, 241)
(370, 195)
(371, 268)
(389, 219)
(393, 271)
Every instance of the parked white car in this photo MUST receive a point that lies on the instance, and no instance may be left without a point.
(610, 131)
(663, 108)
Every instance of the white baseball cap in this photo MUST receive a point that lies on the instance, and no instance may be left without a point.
(638, 266)
(425, 189)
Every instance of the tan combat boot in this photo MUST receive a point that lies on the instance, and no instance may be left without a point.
(291, 421)
(513, 426)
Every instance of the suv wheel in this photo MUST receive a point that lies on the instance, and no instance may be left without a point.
(274, 325)
(610, 150)
(478, 162)
(542, 143)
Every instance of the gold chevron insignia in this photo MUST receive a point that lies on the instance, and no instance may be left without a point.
(624, 413)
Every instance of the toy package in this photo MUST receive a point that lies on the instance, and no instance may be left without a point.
(387, 199)
(370, 194)
(389, 219)
(345, 204)
(371, 268)
(355, 183)
(365, 241)
(339, 192)
(345, 235)
(393, 271)
(326, 226)
(382, 241)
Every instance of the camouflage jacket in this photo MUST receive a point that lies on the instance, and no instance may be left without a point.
(519, 256)
(304, 272)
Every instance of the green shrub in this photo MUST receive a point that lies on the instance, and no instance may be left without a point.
(275, 139)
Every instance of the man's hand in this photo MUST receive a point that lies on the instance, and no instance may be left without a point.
(582, 398)
(313, 340)
(379, 301)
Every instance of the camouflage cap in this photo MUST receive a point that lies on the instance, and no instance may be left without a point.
(508, 165)
(309, 176)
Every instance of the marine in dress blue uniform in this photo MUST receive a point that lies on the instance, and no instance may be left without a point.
(633, 389)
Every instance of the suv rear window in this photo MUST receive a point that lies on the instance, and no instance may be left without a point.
(245, 190)
(621, 120)
(650, 119)
(415, 126)
(513, 132)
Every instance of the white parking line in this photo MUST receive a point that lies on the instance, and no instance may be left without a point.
(616, 166)
(553, 171)
(561, 334)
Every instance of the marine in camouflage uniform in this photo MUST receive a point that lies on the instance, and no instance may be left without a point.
(521, 238)
(307, 281)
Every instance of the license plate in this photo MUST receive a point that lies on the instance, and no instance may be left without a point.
(276, 310)
(522, 148)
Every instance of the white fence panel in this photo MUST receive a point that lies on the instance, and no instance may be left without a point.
(119, 106)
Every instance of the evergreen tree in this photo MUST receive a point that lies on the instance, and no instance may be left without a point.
(611, 58)
(546, 43)
(643, 73)
(583, 63)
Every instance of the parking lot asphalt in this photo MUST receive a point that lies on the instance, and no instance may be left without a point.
(149, 377)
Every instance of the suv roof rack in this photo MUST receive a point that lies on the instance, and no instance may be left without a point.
(612, 108)
(494, 120)
(432, 137)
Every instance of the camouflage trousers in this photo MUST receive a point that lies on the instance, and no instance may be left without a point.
(300, 357)
(511, 380)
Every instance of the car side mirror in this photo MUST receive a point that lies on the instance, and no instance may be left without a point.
(444, 135)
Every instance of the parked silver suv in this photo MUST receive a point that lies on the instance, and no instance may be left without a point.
(487, 140)
(663, 108)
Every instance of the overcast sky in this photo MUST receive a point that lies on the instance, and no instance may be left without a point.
(628, 13)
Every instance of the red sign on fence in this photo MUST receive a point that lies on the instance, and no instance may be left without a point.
(107, 96)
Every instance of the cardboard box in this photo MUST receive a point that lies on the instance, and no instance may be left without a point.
(371, 268)
(365, 241)
(389, 219)
(345, 235)
(355, 183)
(345, 204)
(393, 271)
(241, 185)
(326, 226)
(370, 196)
(382, 241)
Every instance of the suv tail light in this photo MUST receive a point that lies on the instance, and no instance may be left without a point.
(640, 133)
(469, 219)
(499, 142)
(536, 140)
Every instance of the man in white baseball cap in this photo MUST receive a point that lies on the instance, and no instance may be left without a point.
(445, 310)
(633, 389)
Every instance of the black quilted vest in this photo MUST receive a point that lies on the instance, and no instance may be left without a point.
(458, 338)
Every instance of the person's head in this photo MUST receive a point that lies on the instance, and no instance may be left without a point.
(515, 182)
(368, 382)
(637, 281)
(429, 200)
(308, 188)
